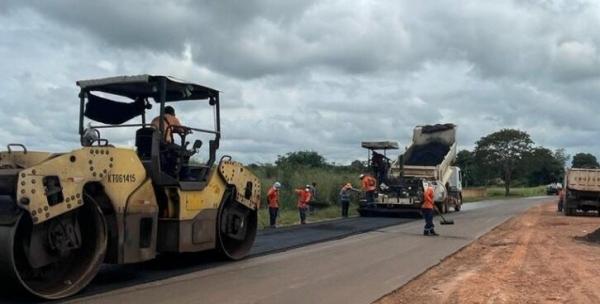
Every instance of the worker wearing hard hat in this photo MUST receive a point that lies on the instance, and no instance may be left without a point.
(273, 200)
(369, 185)
(304, 196)
(427, 209)
(345, 196)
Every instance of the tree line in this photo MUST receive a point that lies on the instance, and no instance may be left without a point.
(507, 157)
(510, 157)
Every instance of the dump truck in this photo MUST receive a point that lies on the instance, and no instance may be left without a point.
(64, 214)
(581, 191)
(428, 159)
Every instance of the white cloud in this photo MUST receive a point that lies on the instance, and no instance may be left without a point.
(323, 75)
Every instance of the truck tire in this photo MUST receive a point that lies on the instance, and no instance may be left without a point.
(442, 207)
(458, 204)
(364, 213)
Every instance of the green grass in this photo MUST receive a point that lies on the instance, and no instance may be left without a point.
(517, 192)
(498, 192)
(291, 217)
(329, 182)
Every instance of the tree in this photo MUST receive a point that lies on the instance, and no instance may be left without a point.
(466, 162)
(503, 151)
(585, 160)
(474, 174)
(561, 156)
(358, 165)
(301, 158)
(542, 166)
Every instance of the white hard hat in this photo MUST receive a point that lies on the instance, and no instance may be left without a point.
(277, 185)
(361, 176)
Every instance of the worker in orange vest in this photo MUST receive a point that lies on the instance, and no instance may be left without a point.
(427, 209)
(273, 200)
(369, 185)
(304, 196)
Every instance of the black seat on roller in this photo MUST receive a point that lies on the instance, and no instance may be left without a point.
(143, 142)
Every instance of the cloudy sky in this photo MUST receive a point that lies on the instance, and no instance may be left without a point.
(314, 75)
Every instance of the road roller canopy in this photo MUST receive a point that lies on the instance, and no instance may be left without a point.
(138, 89)
(144, 86)
(114, 101)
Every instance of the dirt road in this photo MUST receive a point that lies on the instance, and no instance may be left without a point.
(537, 257)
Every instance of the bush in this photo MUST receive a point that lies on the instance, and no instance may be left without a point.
(329, 182)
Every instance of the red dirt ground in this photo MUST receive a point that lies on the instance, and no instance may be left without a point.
(540, 256)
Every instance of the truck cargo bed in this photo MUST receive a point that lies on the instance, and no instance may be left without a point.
(587, 180)
(431, 154)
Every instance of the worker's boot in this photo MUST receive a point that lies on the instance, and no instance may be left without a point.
(426, 232)
(434, 233)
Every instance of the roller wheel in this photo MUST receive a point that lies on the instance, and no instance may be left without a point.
(236, 229)
(57, 258)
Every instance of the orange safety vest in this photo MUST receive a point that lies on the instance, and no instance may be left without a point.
(303, 197)
(369, 183)
(273, 197)
(428, 198)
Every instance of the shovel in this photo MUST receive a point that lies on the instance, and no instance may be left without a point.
(443, 221)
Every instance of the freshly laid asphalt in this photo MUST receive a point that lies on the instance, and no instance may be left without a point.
(267, 241)
(354, 260)
(280, 239)
(112, 277)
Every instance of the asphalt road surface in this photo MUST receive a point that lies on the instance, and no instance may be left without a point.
(354, 260)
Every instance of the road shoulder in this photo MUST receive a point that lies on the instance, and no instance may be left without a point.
(535, 257)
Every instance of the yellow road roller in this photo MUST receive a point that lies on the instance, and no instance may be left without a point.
(64, 214)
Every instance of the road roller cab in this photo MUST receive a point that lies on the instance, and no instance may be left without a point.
(63, 214)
